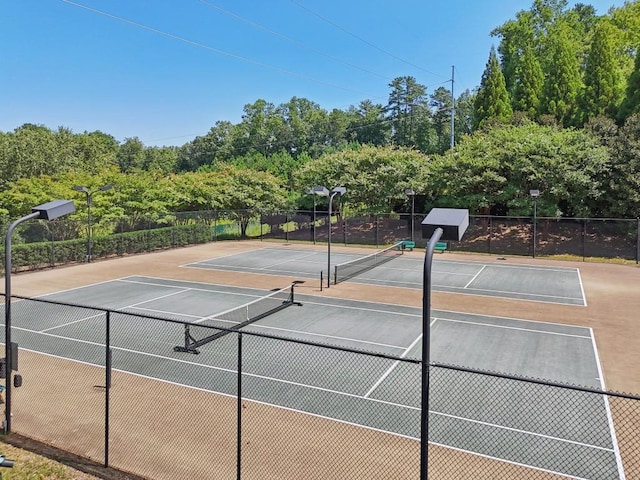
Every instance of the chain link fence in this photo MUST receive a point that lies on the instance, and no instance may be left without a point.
(40, 244)
(107, 385)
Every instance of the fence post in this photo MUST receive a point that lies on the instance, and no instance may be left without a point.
(490, 232)
(377, 221)
(584, 239)
(107, 386)
(239, 415)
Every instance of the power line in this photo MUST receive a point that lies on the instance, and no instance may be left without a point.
(289, 39)
(210, 48)
(366, 42)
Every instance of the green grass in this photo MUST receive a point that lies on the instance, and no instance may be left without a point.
(31, 466)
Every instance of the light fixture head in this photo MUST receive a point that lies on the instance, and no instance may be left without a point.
(321, 191)
(409, 192)
(339, 191)
(79, 188)
(105, 188)
(54, 209)
(534, 193)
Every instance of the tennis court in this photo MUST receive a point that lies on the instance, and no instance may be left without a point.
(334, 385)
(496, 279)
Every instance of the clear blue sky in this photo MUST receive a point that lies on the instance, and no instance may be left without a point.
(166, 70)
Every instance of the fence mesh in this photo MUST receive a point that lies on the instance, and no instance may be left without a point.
(40, 244)
(256, 406)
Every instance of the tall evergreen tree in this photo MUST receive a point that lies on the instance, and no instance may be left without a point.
(406, 102)
(602, 87)
(492, 101)
(528, 88)
(631, 102)
(563, 82)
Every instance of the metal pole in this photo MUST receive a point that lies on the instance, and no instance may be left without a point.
(426, 341)
(329, 242)
(534, 227)
(7, 318)
(313, 228)
(453, 107)
(89, 227)
(413, 200)
(107, 386)
(239, 414)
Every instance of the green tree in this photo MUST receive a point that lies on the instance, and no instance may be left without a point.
(563, 83)
(215, 146)
(440, 102)
(369, 125)
(492, 100)
(528, 83)
(375, 177)
(602, 86)
(631, 103)
(406, 104)
(625, 176)
(131, 155)
(494, 169)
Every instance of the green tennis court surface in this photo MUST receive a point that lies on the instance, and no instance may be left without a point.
(495, 279)
(376, 394)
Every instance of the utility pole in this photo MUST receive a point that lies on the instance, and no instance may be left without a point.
(453, 106)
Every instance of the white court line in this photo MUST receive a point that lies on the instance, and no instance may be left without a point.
(231, 255)
(226, 370)
(530, 330)
(607, 407)
(101, 314)
(393, 367)
(475, 276)
(279, 273)
(509, 462)
(206, 290)
(183, 289)
(584, 297)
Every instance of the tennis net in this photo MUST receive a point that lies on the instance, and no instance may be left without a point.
(235, 318)
(347, 270)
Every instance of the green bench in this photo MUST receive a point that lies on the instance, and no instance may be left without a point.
(440, 246)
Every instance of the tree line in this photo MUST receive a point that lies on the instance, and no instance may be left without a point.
(558, 109)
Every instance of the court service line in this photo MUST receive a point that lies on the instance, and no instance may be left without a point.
(153, 284)
(286, 261)
(116, 311)
(510, 462)
(333, 337)
(229, 255)
(530, 330)
(395, 364)
(475, 276)
(526, 432)
(253, 270)
(541, 295)
(101, 314)
(607, 407)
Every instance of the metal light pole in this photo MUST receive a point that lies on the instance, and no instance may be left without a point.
(324, 192)
(89, 195)
(446, 224)
(46, 211)
(410, 193)
(534, 195)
